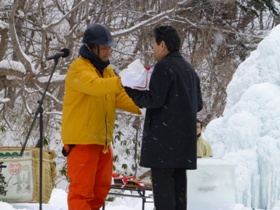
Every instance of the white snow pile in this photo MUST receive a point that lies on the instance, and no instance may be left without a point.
(248, 133)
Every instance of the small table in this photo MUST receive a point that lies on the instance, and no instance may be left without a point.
(141, 193)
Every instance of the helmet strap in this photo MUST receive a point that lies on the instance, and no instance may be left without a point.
(98, 50)
(94, 48)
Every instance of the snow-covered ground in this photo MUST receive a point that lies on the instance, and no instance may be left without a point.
(248, 135)
(58, 201)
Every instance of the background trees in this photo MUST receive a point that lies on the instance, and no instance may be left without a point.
(216, 36)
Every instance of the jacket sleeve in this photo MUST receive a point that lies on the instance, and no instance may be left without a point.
(124, 102)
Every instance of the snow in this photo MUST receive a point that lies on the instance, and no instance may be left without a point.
(14, 65)
(4, 100)
(248, 132)
(56, 78)
(4, 25)
(247, 135)
(58, 201)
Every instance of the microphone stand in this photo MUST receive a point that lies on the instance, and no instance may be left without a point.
(39, 110)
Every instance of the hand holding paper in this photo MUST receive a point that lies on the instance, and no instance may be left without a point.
(136, 76)
(133, 79)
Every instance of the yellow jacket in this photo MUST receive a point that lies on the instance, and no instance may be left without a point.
(203, 148)
(90, 103)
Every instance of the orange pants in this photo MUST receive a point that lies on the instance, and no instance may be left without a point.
(90, 174)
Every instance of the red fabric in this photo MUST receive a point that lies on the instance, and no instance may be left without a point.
(90, 175)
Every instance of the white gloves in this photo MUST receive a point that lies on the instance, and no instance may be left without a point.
(135, 76)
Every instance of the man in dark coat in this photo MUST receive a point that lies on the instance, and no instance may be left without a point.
(169, 136)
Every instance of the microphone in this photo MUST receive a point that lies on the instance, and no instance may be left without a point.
(62, 53)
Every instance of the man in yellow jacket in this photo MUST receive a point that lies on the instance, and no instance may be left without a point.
(92, 94)
(203, 147)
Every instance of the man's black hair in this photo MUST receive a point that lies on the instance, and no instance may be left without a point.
(169, 35)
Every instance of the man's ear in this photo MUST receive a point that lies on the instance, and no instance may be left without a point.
(163, 45)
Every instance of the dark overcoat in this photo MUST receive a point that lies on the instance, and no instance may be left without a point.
(172, 102)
